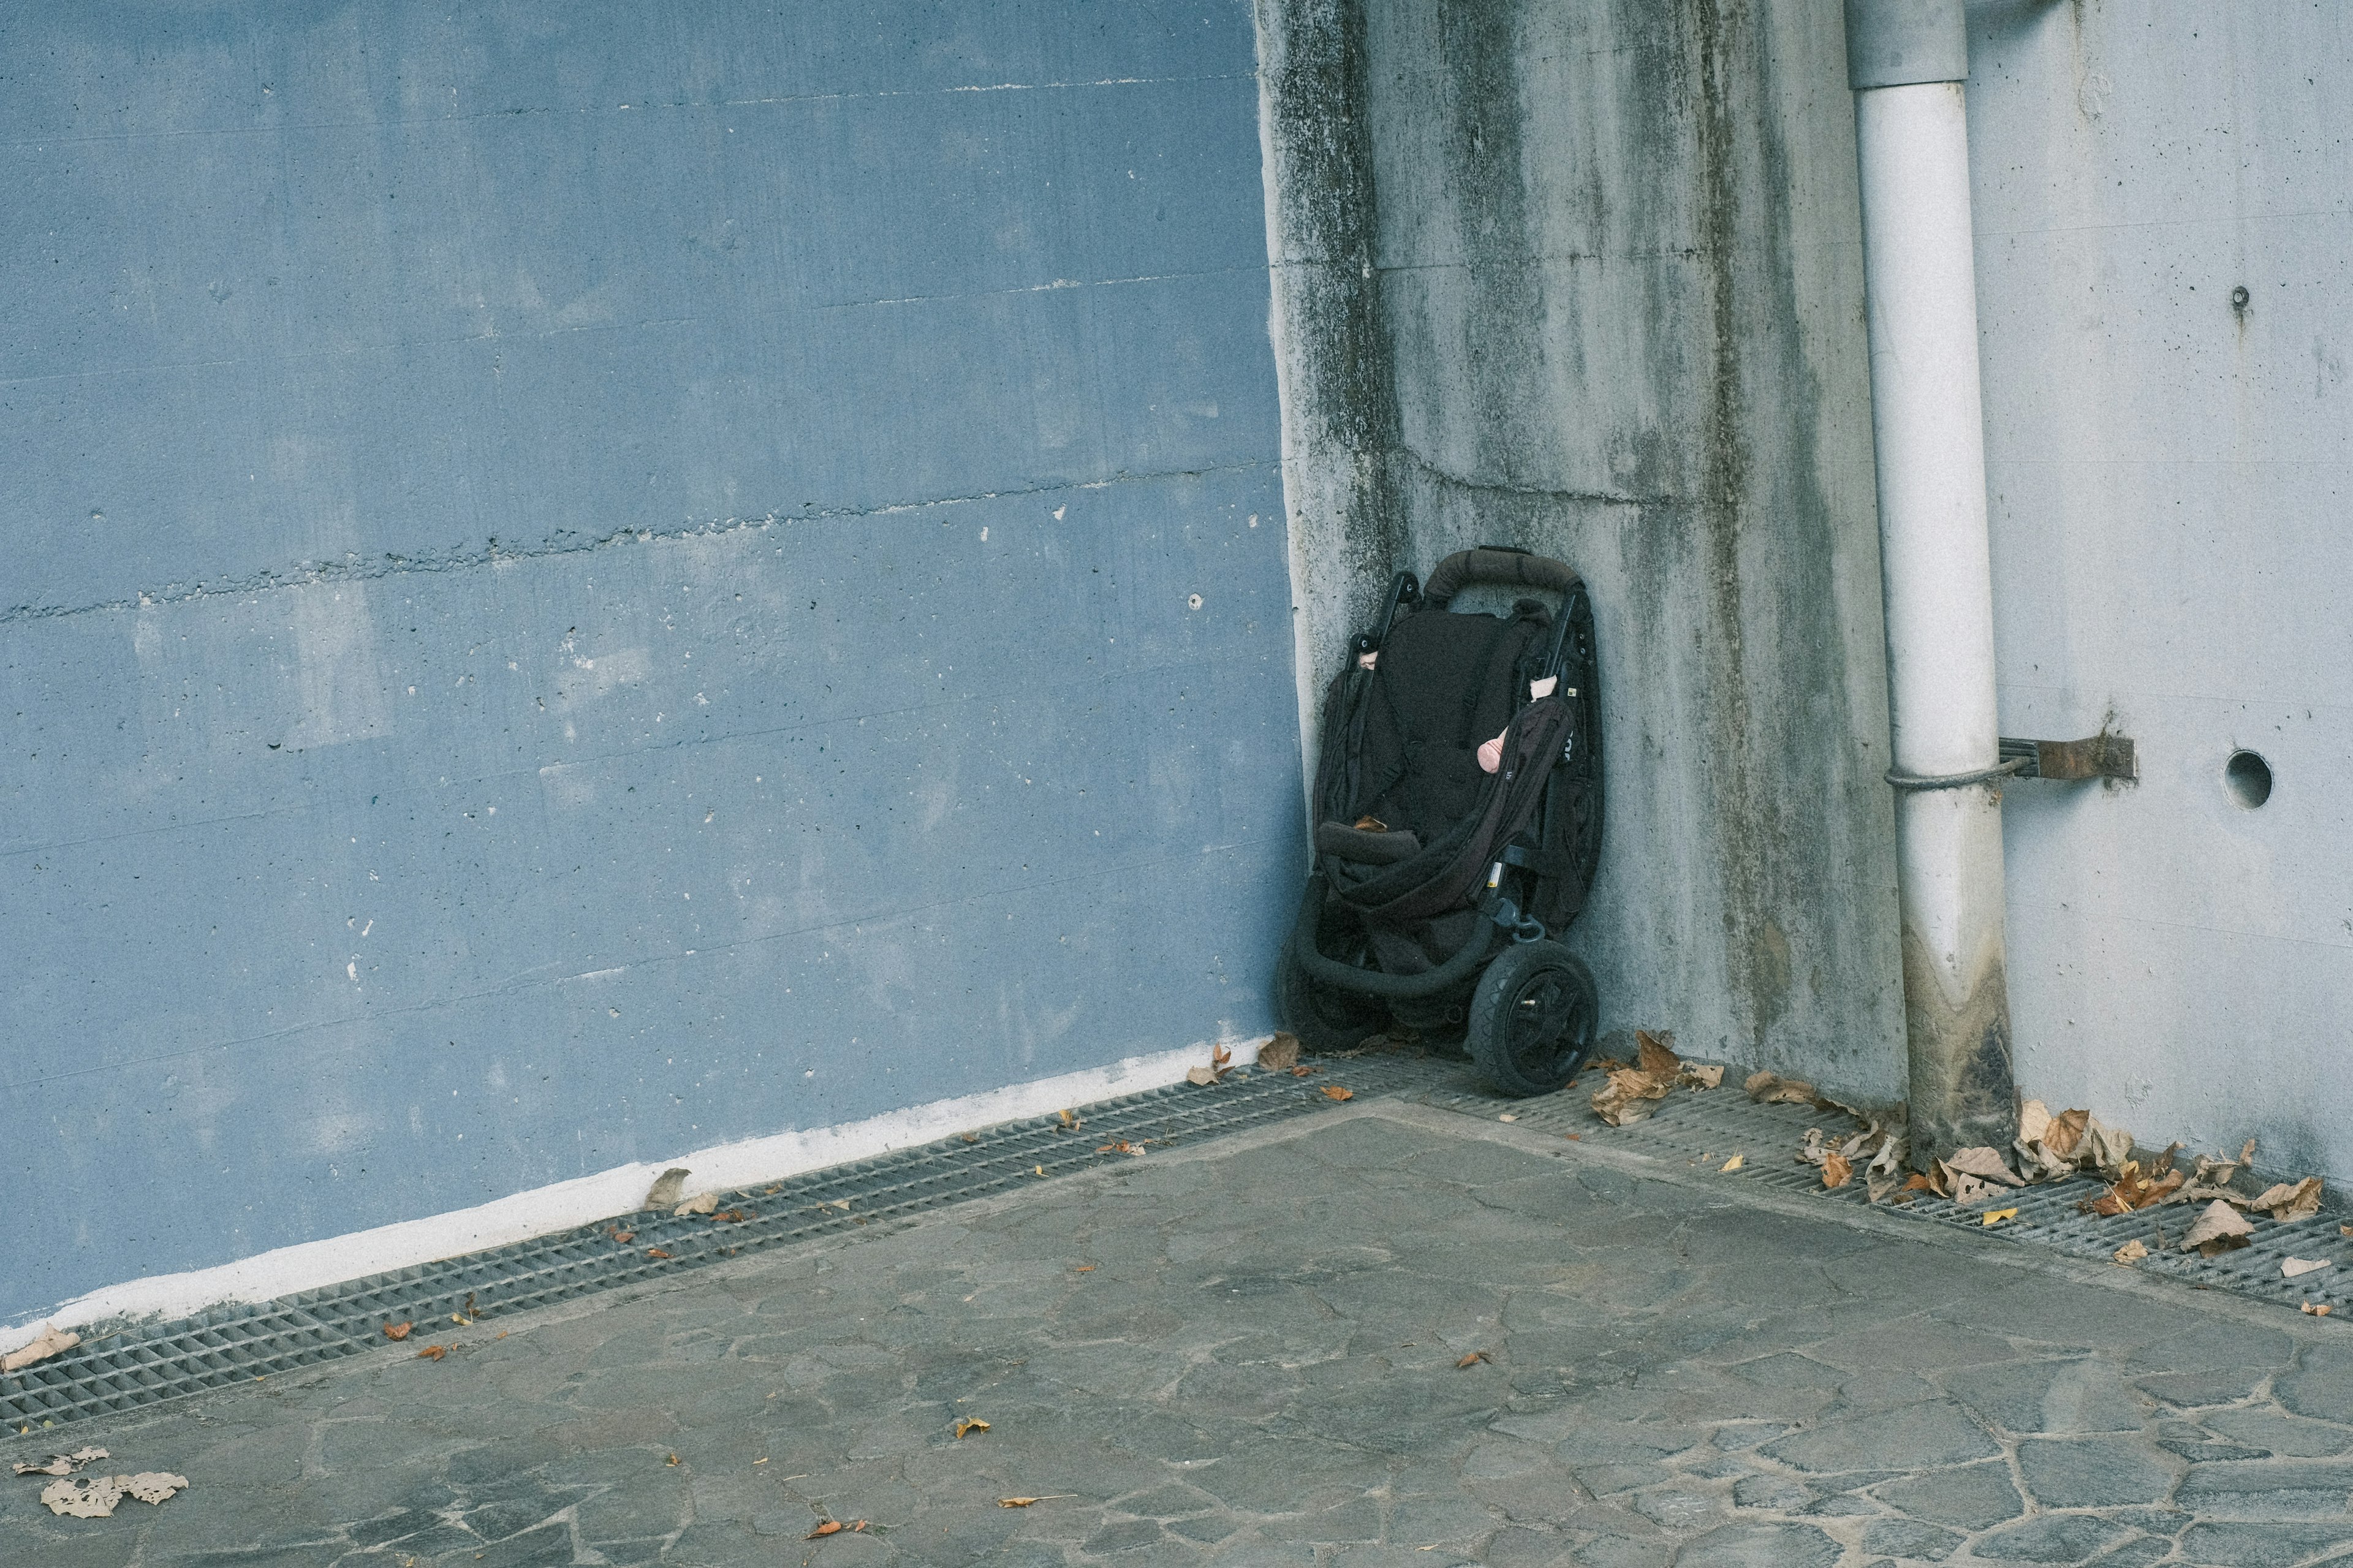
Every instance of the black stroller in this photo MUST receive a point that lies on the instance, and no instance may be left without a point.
(1439, 885)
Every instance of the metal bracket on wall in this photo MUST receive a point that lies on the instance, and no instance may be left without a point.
(2099, 756)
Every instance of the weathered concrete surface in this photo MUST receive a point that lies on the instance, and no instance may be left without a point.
(584, 581)
(2170, 463)
(1246, 1353)
(1619, 320)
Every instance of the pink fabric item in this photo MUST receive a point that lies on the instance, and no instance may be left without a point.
(1491, 755)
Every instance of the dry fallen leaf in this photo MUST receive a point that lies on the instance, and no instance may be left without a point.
(2065, 1133)
(1734, 1163)
(828, 1528)
(398, 1330)
(1625, 1097)
(1984, 1162)
(1280, 1054)
(2318, 1309)
(64, 1464)
(1699, 1077)
(668, 1188)
(1201, 1076)
(1474, 1359)
(702, 1203)
(1333, 1092)
(1121, 1147)
(2104, 1148)
(655, 1252)
(2219, 1229)
(1302, 1071)
(50, 1341)
(1968, 1190)
(463, 1323)
(2291, 1200)
(623, 1236)
(2131, 1190)
(152, 1486)
(432, 1353)
(2131, 1252)
(1656, 1053)
(2292, 1267)
(1039, 1169)
(1995, 1216)
(1836, 1171)
(673, 1459)
(92, 1497)
(1068, 1120)
(966, 1423)
(1015, 1501)
(1772, 1088)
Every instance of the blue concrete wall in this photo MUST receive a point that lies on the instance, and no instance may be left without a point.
(586, 580)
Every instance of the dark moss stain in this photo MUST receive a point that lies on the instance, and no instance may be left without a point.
(1313, 58)
(1678, 186)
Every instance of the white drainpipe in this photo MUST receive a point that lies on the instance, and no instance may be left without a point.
(1906, 60)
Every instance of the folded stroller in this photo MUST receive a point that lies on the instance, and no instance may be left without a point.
(1438, 886)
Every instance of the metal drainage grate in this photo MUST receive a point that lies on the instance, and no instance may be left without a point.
(1716, 1124)
(144, 1365)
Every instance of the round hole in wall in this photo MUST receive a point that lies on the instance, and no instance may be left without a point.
(2248, 778)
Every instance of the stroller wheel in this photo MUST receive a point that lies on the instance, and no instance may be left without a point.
(1532, 1018)
(1325, 1019)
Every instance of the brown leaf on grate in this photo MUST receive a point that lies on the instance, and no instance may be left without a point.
(432, 1353)
(398, 1330)
(1772, 1088)
(1836, 1171)
(655, 1252)
(1280, 1054)
(2291, 1200)
(1625, 1098)
(2218, 1230)
(1983, 1163)
(2131, 1252)
(51, 1341)
(623, 1236)
(830, 1527)
(1333, 1092)
(1656, 1053)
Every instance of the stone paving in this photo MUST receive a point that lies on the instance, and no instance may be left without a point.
(1247, 1353)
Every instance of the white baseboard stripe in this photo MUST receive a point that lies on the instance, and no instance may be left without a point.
(310, 1265)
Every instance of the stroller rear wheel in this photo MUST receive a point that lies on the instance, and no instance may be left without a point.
(1323, 1018)
(1532, 1018)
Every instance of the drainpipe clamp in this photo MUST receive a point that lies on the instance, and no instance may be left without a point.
(1953, 781)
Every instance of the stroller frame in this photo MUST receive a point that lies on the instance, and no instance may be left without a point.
(1530, 1012)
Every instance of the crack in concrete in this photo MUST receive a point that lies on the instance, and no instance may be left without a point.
(494, 552)
(1539, 492)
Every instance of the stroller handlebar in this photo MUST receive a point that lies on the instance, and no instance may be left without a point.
(1496, 563)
